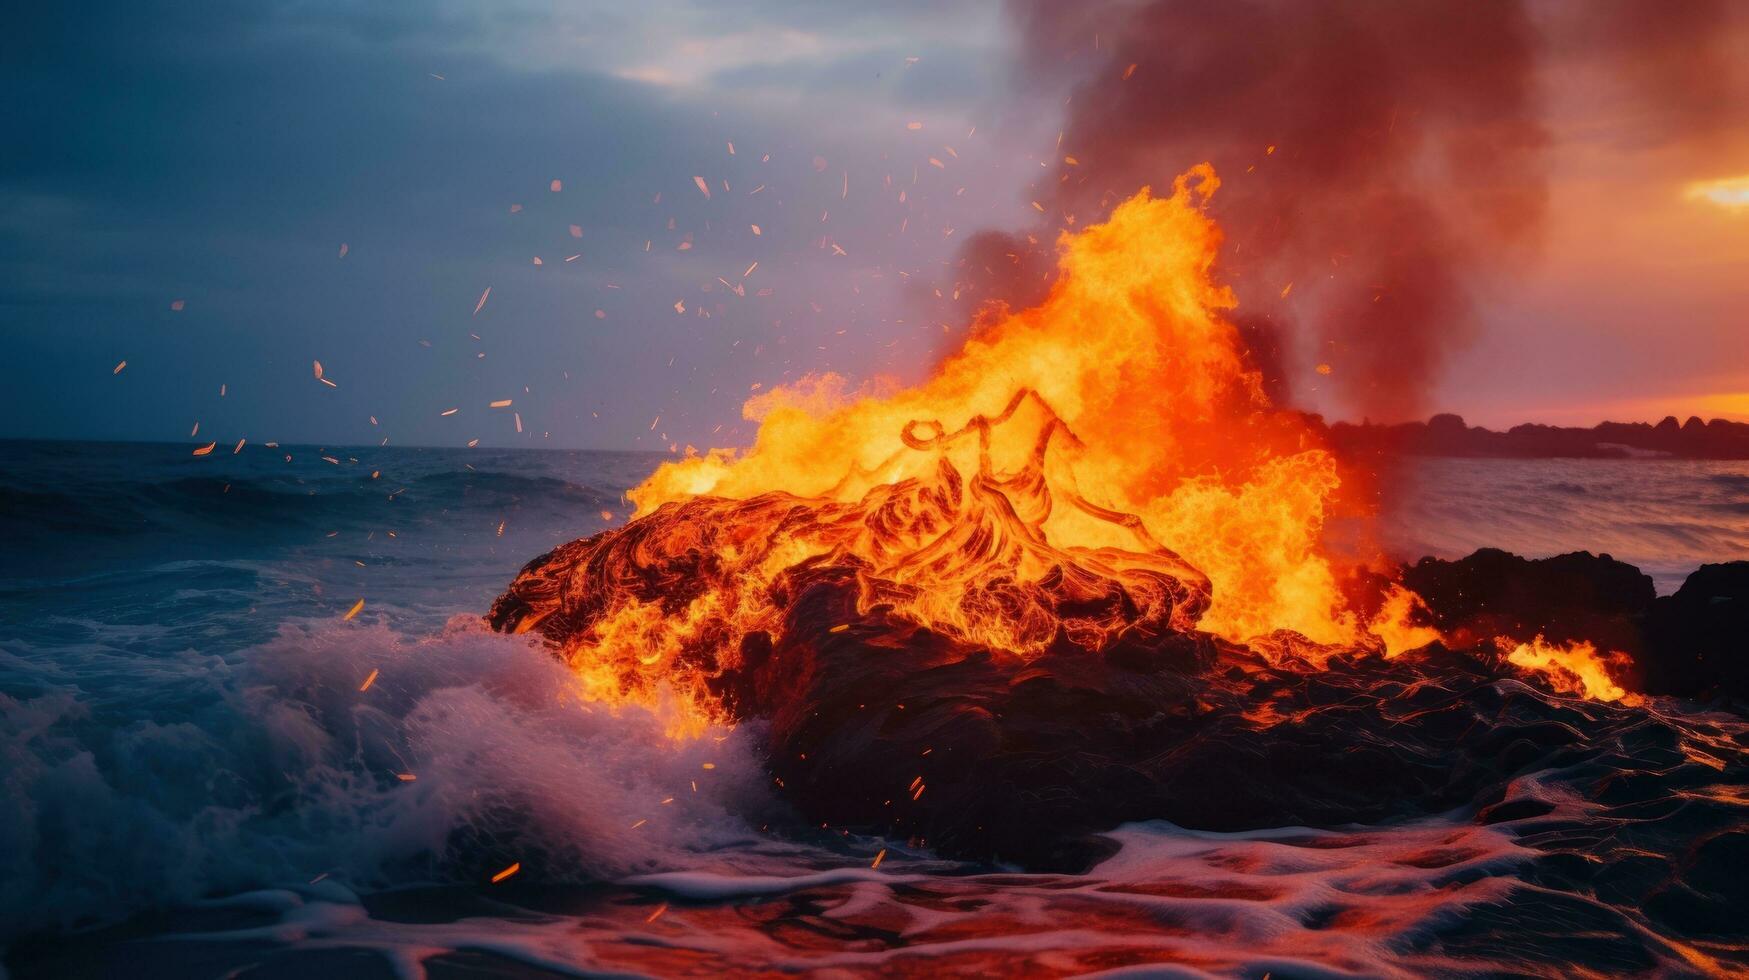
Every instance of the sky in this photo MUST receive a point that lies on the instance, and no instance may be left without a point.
(223, 194)
(1634, 301)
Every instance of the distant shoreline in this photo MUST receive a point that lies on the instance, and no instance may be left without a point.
(1449, 436)
(1443, 435)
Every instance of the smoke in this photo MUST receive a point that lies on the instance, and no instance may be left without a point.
(1381, 160)
(1683, 63)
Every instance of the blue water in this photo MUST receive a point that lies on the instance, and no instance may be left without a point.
(180, 712)
(191, 769)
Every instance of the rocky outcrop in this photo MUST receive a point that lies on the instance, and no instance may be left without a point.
(876, 723)
(900, 731)
(1697, 640)
(1449, 435)
(1693, 644)
(1578, 596)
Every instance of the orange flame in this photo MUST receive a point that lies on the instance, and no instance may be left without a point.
(1395, 623)
(1131, 351)
(1102, 467)
(1575, 668)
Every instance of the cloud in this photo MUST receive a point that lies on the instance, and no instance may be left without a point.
(221, 155)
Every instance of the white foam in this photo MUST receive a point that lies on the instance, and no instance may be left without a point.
(217, 775)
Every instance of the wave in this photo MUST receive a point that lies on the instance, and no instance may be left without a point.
(1444, 896)
(217, 775)
(176, 505)
(184, 752)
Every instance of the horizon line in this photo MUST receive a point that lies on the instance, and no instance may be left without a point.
(315, 444)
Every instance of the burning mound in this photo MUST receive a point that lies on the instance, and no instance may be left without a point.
(1075, 577)
(1016, 499)
(692, 599)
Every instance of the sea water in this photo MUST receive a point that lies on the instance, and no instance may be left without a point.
(196, 785)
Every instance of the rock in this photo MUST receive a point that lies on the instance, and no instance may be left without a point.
(879, 724)
(899, 731)
(1692, 644)
(1697, 641)
(1578, 596)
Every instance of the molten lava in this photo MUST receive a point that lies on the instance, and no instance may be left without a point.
(1101, 471)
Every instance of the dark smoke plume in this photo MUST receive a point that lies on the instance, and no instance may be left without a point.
(1380, 159)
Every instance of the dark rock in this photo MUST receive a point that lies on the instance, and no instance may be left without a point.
(879, 724)
(1692, 644)
(899, 730)
(1571, 597)
(1449, 435)
(1697, 641)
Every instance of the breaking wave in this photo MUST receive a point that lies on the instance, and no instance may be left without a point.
(468, 753)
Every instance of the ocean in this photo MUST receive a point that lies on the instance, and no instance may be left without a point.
(211, 770)
(1666, 516)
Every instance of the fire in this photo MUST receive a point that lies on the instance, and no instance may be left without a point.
(1131, 353)
(1576, 668)
(1101, 472)
(1395, 624)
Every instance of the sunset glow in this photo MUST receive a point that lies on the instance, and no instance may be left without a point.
(1731, 193)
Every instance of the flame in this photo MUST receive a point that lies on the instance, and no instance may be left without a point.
(1395, 623)
(1575, 668)
(1130, 351)
(1103, 470)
